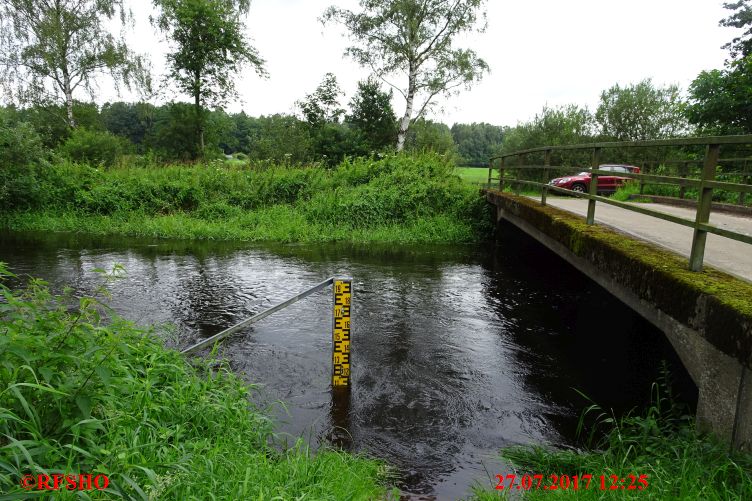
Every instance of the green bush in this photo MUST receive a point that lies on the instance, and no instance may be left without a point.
(22, 155)
(368, 194)
(96, 148)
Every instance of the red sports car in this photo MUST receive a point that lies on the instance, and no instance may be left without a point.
(606, 184)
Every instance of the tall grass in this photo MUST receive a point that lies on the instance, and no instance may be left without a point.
(397, 198)
(662, 443)
(84, 391)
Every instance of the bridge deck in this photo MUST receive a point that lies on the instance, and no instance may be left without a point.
(728, 255)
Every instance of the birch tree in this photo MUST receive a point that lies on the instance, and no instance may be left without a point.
(209, 48)
(414, 40)
(50, 49)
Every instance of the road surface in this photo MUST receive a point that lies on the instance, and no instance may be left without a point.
(720, 252)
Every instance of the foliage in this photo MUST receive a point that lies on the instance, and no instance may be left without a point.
(740, 47)
(662, 444)
(86, 391)
(397, 197)
(20, 145)
(130, 120)
(641, 112)
(551, 127)
(477, 142)
(210, 48)
(21, 154)
(280, 139)
(721, 100)
(372, 117)
(50, 49)
(94, 147)
(427, 135)
(414, 39)
(322, 106)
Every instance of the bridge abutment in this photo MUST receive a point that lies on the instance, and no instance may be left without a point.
(706, 316)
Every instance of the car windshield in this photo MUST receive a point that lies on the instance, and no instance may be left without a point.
(584, 173)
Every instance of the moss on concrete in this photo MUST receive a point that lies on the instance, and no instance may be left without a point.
(716, 304)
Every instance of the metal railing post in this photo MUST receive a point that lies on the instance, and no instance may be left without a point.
(593, 186)
(490, 170)
(520, 163)
(683, 174)
(745, 180)
(704, 205)
(546, 163)
(501, 175)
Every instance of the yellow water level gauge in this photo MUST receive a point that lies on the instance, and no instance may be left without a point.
(341, 333)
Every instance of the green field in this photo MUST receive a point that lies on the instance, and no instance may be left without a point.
(472, 175)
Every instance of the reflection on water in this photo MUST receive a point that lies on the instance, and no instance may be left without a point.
(456, 352)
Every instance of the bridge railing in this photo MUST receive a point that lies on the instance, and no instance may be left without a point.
(706, 185)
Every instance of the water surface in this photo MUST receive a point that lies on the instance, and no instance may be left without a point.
(457, 351)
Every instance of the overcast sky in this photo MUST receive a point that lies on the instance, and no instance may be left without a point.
(540, 52)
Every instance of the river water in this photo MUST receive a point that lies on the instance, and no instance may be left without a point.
(456, 351)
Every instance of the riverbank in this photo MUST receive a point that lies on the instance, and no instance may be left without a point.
(398, 198)
(90, 393)
(657, 455)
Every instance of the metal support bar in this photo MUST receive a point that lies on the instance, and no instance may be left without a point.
(742, 195)
(683, 173)
(704, 204)
(245, 323)
(501, 175)
(490, 170)
(593, 186)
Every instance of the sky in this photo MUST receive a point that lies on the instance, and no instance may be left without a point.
(541, 52)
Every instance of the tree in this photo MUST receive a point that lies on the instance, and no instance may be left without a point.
(720, 101)
(641, 111)
(427, 135)
(372, 116)
(477, 142)
(131, 120)
(551, 127)
(322, 106)
(740, 47)
(210, 48)
(50, 49)
(414, 38)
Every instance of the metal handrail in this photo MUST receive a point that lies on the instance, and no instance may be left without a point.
(255, 318)
(705, 184)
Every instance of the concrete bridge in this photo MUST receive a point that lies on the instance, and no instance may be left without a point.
(640, 256)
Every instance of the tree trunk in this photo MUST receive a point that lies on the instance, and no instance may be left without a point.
(69, 103)
(405, 122)
(199, 115)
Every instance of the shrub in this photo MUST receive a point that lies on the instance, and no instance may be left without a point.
(94, 148)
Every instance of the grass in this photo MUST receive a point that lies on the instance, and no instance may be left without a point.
(84, 391)
(399, 198)
(662, 444)
(473, 175)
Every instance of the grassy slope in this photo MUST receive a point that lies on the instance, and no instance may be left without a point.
(662, 444)
(396, 199)
(79, 395)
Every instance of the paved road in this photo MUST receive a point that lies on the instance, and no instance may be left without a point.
(723, 253)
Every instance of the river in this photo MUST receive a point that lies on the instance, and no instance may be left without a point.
(456, 351)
